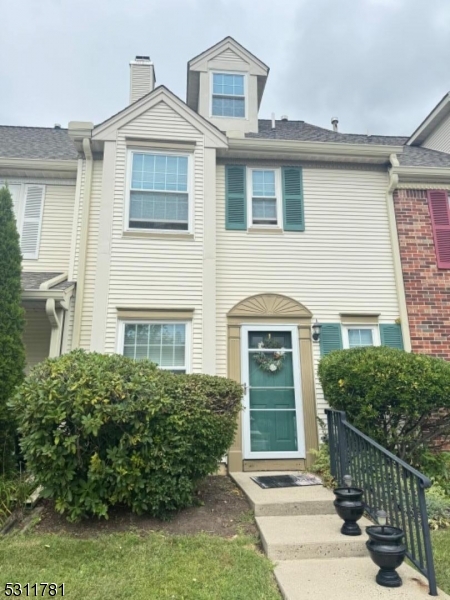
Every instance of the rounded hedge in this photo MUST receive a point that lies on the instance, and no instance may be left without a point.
(400, 399)
(103, 430)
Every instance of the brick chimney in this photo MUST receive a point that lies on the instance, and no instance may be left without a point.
(142, 77)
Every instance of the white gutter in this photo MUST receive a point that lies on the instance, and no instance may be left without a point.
(395, 245)
(25, 164)
(422, 174)
(46, 285)
(81, 276)
(61, 296)
(377, 152)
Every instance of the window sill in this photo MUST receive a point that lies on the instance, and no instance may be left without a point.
(225, 117)
(262, 229)
(158, 235)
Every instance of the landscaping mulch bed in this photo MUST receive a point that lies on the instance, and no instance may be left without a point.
(223, 511)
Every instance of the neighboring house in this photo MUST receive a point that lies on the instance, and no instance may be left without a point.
(199, 233)
(423, 219)
(40, 167)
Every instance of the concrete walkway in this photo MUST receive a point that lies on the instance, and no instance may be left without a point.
(300, 532)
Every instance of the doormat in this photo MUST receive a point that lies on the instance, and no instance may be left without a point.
(281, 481)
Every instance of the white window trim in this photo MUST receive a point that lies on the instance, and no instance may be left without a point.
(375, 334)
(245, 96)
(278, 192)
(190, 192)
(188, 337)
(21, 210)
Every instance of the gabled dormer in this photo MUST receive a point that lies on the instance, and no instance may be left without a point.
(225, 85)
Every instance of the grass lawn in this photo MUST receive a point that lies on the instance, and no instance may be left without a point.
(152, 566)
(441, 547)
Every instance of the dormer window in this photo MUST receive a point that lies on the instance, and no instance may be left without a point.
(228, 95)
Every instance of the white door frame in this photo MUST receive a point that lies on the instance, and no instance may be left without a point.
(245, 377)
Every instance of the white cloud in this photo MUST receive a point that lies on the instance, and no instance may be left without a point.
(380, 65)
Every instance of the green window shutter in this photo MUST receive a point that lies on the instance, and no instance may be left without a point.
(293, 213)
(330, 338)
(391, 335)
(235, 197)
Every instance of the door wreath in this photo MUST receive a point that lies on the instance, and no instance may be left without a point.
(268, 362)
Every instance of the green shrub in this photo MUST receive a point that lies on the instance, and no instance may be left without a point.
(12, 355)
(391, 395)
(14, 492)
(101, 430)
(436, 465)
(438, 506)
(321, 464)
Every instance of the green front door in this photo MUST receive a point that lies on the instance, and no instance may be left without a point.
(272, 394)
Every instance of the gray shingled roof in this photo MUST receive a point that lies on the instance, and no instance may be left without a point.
(299, 130)
(32, 280)
(36, 142)
(412, 156)
(50, 143)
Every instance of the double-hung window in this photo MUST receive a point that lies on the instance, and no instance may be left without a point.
(264, 191)
(163, 343)
(228, 95)
(159, 191)
(357, 336)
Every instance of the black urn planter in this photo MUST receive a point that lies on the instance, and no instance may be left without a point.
(387, 551)
(350, 507)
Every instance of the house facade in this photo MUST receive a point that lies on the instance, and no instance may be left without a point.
(208, 240)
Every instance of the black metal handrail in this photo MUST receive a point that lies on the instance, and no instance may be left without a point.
(389, 484)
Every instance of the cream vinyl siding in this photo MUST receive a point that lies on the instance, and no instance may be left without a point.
(440, 138)
(36, 336)
(91, 255)
(141, 78)
(342, 262)
(157, 270)
(231, 57)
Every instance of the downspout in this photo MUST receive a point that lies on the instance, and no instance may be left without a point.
(82, 254)
(398, 273)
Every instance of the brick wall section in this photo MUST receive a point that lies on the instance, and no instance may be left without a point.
(427, 288)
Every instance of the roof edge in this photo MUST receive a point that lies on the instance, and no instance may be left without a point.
(321, 149)
(239, 46)
(430, 122)
(422, 174)
(48, 164)
(153, 95)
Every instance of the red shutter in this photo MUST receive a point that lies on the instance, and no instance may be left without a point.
(440, 219)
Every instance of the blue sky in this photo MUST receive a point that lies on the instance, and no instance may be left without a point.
(379, 65)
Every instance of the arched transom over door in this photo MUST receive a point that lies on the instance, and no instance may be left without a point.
(270, 351)
(274, 306)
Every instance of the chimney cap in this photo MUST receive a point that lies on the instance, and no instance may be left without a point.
(284, 118)
(143, 58)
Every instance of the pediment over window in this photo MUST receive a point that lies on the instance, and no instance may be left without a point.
(270, 306)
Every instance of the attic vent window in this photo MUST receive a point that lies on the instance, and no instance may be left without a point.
(228, 95)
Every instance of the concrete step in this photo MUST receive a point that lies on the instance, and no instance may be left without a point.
(311, 536)
(347, 579)
(308, 500)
